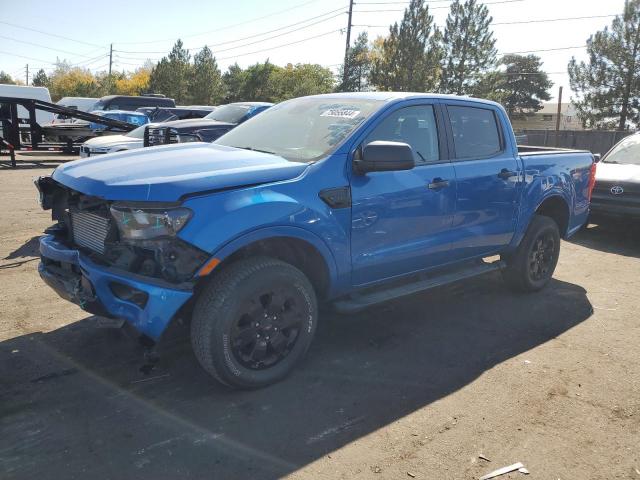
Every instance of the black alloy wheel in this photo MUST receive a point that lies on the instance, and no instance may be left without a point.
(267, 328)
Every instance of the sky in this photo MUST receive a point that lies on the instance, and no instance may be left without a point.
(36, 32)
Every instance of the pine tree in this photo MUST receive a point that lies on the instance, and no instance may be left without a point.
(206, 82)
(233, 83)
(608, 85)
(469, 47)
(40, 79)
(358, 66)
(409, 56)
(6, 78)
(172, 74)
(521, 87)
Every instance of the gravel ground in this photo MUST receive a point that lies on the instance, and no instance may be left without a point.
(418, 388)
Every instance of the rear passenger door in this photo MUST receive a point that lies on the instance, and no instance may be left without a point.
(488, 181)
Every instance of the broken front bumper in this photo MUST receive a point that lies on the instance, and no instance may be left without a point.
(147, 304)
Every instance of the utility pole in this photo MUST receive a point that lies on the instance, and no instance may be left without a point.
(558, 117)
(348, 45)
(27, 68)
(110, 58)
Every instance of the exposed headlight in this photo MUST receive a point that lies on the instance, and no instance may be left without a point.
(144, 224)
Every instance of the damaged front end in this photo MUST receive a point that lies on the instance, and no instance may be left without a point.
(118, 259)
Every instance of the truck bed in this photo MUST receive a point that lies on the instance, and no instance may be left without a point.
(527, 150)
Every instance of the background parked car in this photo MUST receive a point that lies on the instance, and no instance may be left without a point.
(207, 129)
(113, 143)
(165, 114)
(83, 104)
(617, 189)
(131, 103)
(19, 91)
(135, 118)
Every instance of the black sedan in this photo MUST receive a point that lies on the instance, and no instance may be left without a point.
(617, 188)
(206, 129)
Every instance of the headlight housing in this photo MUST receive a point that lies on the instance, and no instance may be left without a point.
(150, 222)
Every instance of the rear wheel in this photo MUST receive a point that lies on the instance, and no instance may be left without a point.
(253, 322)
(531, 267)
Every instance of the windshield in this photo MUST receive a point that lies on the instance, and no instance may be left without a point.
(137, 132)
(303, 129)
(627, 151)
(229, 113)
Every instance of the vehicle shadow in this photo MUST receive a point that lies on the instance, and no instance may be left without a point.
(611, 236)
(28, 249)
(74, 400)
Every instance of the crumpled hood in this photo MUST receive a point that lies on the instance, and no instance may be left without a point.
(166, 173)
(618, 172)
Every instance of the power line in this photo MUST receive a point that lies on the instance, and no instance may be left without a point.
(283, 45)
(223, 28)
(542, 50)
(43, 46)
(51, 34)
(518, 22)
(553, 20)
(24, 56)
(432, 8)
(252, 36)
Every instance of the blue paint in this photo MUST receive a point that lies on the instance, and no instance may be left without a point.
(394, 227)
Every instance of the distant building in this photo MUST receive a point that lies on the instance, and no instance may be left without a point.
(545, 119)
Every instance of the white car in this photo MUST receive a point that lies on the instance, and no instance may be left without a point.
(113, 143)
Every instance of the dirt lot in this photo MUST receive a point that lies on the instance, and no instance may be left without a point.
(419, 387)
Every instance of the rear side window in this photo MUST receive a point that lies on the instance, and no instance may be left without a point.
(475, 132)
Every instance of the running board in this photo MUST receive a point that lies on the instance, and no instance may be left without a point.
(359, 301)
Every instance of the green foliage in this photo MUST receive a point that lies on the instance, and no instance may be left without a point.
(205, 86)
(469, 47)
(359, 63)
(40, 79)
(300, 80)
(6, 78)
(608, 85)
(232, 81)
(270, 83)
(409, 58)
(172, 75)
(521, 87)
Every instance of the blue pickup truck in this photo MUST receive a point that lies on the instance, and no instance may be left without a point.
(345, 199)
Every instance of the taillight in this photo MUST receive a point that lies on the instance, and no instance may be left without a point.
(592, 179)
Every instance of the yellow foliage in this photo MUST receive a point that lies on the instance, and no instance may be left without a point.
(133, 84)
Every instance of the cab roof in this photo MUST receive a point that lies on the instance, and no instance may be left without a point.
(394, 96)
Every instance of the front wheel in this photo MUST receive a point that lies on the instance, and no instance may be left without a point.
(253, 322)
(532, 265)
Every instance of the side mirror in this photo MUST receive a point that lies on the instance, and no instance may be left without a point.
(382, 156)
(597, 157)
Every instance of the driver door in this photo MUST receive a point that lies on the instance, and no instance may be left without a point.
(401, 220)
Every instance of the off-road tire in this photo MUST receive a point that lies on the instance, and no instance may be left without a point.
(219, 305)
(520, 274)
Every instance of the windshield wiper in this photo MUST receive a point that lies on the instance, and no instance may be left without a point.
(256, 150)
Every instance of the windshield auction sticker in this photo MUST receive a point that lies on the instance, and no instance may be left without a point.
(340, 113)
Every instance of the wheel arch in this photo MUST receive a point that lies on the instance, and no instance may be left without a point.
(293, 245)
(556, 208)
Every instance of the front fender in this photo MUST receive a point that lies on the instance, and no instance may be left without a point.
(223, 222)
(284, 231)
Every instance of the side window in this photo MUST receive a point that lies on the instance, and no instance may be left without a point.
(475, 132)
(415, 126)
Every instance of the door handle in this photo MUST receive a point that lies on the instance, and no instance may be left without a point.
(438, 183)
(506, 174)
